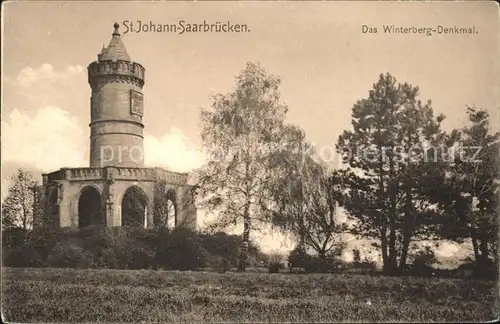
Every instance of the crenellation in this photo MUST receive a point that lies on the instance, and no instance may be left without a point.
(129, 71)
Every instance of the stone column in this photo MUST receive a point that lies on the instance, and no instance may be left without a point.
(150, 212)
(68, 210)
(109, 208)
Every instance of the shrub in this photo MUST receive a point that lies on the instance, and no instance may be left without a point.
(69, 255)
(22, 256)
(222, 250)
(182, 250)
(425, 258)
(298, 258)
(366, 266)
(124, 248)
(422, 263)
(217, 263)
(45, 239)
(117, 248)
(138, 255)
(356, 255)
(326, 264)
(275, 262)
(13, 236)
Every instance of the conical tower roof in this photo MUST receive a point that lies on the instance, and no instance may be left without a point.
(115, 50)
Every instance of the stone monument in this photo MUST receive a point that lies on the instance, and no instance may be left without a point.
(116, 189)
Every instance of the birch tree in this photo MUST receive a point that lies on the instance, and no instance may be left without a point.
(238, 133)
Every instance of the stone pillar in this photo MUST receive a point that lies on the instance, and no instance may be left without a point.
(150, 212)
(109, 202)
(186, 215)
(68, 209)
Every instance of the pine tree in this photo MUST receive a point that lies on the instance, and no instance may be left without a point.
(388, 162)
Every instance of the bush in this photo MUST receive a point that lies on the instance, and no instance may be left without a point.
(222, 250)
(70, 255)
(13, 237)
(124, 248)
(365, 266)
(45, 239)
(356, 256)
(422, 263)
(298, 258)
(182, 250)
(138, 255)
(486, 270)
(327, 264)
(22, 256)
(275, 262)
(117, 248)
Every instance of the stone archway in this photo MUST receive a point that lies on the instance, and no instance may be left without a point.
(134, 207)
(90, 208)
(169, 210)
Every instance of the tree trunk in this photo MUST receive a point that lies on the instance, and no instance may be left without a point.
(154, 266)
(385, 256)
(156, 257)
(322, 261)
(483, 248)
(477, 256)
(246, 238)
(404, 252)
(407, 233)
(392, 248)
(25, 230)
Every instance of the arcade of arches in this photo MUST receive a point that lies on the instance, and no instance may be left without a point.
(133, 209)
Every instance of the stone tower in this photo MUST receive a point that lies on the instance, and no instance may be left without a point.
(116, 111)
(116, 190)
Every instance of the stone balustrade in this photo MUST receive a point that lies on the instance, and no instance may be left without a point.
(84, 174)
(118, 173)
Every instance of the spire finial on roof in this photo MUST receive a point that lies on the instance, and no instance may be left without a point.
(116, 32)
(115, 49)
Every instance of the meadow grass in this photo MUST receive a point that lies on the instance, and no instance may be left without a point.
(71, 295)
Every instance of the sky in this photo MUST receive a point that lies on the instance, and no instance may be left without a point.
(325, 62)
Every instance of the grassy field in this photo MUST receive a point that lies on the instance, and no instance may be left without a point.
(70, 295)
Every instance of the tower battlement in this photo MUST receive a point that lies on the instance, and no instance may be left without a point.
(102, 71)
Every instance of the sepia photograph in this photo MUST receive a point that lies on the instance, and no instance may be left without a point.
(250, 161)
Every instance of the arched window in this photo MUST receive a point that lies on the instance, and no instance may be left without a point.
(90, 208)
(168, 210)
(170, 214)
(134, 206)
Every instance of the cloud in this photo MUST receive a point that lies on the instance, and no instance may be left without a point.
(45, 72)
(53, 139)
(173, 151)
(48, 141)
